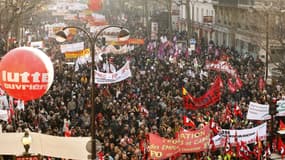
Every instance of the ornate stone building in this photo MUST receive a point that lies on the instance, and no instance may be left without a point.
(248, 25)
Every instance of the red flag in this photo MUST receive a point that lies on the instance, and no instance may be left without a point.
(214, 126)
(281, 125)
(281, 146)
(67, 132)
(244, 151)
(188, 122)
(100, 155)
(261, 84)
(267, 152)
(142, 146)
(258, 147)
(237, 111)
(224, 57)
(95, 5)
(187, 99)
(237, 145)
(143, 110)
(228, 147)
(238, 82)
(231, 86)
(228, 114)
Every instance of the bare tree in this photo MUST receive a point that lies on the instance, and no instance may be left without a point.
(266, 27)
(14, 12)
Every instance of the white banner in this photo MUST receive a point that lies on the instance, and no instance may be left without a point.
(120, 75)
(72, 47)
(219, 141)
(246, 135)
(154, 30)
(110, 34)
(221, 66)
(37, 44)
(281, 108)
(4, 115)
(4, 104)
(46, 145)
(258, 111)
(111, 49)
(53, 28)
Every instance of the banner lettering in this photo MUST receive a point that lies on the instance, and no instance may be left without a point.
(246, 135)
(185, 142)
(120, 75)
(72, 47)
(281, 108)
(129, 41)
(221, 66)
(258, 111)
(76, 54)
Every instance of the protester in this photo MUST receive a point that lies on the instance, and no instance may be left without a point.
(148, 102)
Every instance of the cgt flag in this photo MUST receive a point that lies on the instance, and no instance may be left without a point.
(188, 122)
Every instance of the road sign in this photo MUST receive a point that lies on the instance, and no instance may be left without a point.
(192, 41)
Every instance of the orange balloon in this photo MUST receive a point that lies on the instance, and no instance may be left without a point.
(26, 73)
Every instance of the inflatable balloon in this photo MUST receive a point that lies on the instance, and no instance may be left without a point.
(26, 73)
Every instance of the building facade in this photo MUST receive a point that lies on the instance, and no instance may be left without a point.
(247, 25)
(202, 19)
(233, 24)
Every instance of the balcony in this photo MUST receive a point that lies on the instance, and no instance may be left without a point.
(234, 3)
(245, 3)
(226, 3)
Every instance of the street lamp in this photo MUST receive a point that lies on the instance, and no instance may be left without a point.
(267, 46)
(61, 36)
(26, 141)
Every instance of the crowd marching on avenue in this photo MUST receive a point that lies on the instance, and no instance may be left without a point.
(208, 103)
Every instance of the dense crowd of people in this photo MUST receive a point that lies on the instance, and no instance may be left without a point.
(148, 102)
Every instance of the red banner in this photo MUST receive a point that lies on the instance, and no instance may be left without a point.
(162, 148)
(212, 96)
(221, 66)
(186, 142)
(27, 158)
(194, 141)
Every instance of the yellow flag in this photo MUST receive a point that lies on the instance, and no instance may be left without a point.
(184, 91)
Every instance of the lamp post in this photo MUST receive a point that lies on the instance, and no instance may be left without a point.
(61, 36)
(267, 45)
(26, 141)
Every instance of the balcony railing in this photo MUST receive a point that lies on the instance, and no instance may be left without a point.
(233, 3)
